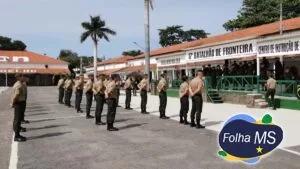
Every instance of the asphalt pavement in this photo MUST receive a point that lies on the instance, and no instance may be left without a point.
(59, 138)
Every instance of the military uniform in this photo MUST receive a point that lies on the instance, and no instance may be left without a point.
(88, 90)
(118, 84)
(61, 91)
(128, 88)
(111, 97)
(184, 102)
(197, 102)
(162, 87)
(78, 94)
(99, 92)
(23, 114)
(68, 92)
(271, 89)
(143, 89)
(19, 104)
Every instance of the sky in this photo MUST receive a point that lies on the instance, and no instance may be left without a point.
(47, 26)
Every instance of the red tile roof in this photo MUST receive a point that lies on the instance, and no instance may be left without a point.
(34, 58)
(109, 71)
(34, 71)
(267, 29)
(115, 60)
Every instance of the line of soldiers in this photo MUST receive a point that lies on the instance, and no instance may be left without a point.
(192, 89)
(18, 102)
(104, 90)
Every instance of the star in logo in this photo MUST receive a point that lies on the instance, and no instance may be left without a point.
(259, 149)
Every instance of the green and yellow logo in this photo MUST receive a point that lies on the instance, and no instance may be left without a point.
(298, 91)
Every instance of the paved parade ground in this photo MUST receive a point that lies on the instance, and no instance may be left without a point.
(59, 138)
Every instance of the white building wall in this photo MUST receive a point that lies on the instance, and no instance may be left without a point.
(139, 62)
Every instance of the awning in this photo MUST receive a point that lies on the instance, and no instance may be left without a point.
(35, 71)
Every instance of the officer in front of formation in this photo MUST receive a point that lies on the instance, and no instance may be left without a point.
(143, 90)
(78, 93)
(128, 88)
(88, 90)
(162, 89)
(18, 102)
(68, 91)
(196, 89)
(61, 90)
(99, 92)
(271, 90)
(111, 100)
(184, 101)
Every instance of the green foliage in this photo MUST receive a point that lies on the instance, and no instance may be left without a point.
(259, 12)
(132, 53)
(7, 44)
(96, 29)
(267, 119)
(173, 35)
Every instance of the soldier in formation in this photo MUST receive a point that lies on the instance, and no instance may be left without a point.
(68, 90)
(78, 93)
(271, 90)
(162, 89)
(128, 87)
(18, 102)
(111, 100)
(195, 90)
(99, 92)
(88, 90)
(61, 90)
(143, 90)
(184, 100)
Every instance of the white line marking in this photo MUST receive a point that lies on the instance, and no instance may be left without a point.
(13, 162)
(290, 151)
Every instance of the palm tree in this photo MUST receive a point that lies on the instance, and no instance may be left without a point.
(96, 29)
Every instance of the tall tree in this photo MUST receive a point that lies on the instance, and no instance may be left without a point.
(7, 44)
(172, 35)
(132, 53)
(70, 57)
(259, 12)
(96, 29)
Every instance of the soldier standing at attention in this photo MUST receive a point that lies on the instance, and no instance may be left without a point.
(60, 87)
(196, 88)
(111, 96)
(143, 90)
(69, 88)
(88, 90)
(184, 100)
(128, 88)
(271, 89)
(18, 102)
(161, 88)
(23, 121)
(99, 92)
(118, 83)
(78, 93)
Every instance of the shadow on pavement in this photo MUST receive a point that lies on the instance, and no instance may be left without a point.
(36, 110)
(132, 126)
(46, 127)
(122, 120)
(48, 135)
(41, 120)
(36, 114)
(212, 123)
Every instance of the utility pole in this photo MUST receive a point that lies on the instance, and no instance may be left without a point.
(281, 24)
(147, 40)
(6, 61)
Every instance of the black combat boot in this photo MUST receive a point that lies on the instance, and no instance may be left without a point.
(199, 126)
(193, 123)
(185, 121)
(19, 138)
(112, 128)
